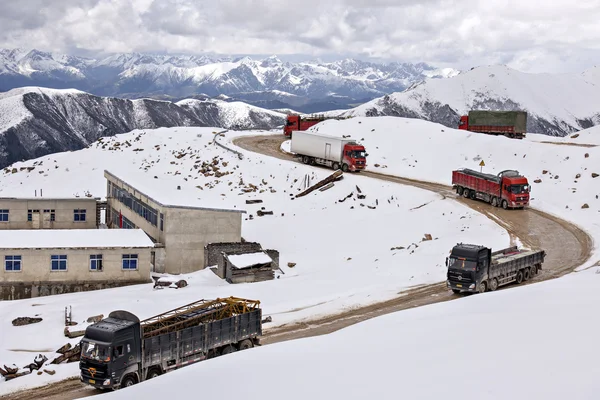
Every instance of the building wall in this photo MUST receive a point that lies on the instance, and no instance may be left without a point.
(63, 213)
(188, 231)
(36, 266)
(140, 222)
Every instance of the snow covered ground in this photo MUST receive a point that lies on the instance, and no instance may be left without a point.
(346, 253)
(530, 342)
(562, 176)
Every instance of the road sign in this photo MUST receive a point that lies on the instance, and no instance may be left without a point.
(482, 164)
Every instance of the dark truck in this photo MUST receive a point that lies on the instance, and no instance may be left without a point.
(474, 268)
(121, 350)
(512, 124)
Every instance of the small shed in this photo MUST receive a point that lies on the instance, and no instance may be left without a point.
(248, 267)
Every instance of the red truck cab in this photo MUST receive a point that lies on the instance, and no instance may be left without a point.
(464, 122)
(515, 189)
(507, 189)
(355, 156)
(298, 123)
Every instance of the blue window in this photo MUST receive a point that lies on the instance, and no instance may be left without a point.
(79, 215)
(96, 262)
(3, 215)
(12, 263)
(130, 261)
(58, 263)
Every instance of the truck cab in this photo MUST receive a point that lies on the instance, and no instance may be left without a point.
(464, 122)
(355, 156)
(468, 267)
(110, 351)
(515, 189)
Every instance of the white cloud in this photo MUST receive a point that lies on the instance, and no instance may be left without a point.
(531, 35)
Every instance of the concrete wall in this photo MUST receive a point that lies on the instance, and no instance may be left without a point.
(187, 231)
(35, 266)
(63, 213)
(27, 290)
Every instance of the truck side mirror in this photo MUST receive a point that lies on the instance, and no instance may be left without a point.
(366, 154)
(446, 261)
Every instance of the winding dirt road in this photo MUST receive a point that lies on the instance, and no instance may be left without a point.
(566, 247)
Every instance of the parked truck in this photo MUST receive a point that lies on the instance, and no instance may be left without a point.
(508, 123)
(474, 268)
(121, 350)
(508, 189)
(335, 152)
(300, 123)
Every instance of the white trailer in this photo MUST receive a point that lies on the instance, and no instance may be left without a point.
(331, 151)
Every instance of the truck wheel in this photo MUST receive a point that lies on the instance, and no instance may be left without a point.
(245, 344)
(466, 193)
(345, 167)
(482, 287)
(533, 271)
(493, 284)
(505, 204)
(228, 349)
(336, 166)
(494, 201)
(212, 353)
(526, 275)
(460, 190)
(153, 373)
(305, 159)
(519, 277)
(129, 380)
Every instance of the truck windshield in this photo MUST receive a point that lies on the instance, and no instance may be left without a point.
(95, 351)
(519, 189)
(358, 154)
(458, 263)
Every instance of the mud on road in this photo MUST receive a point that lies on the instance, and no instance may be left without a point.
(566, 245)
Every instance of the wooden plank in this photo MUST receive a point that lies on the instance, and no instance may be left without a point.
(321, 183)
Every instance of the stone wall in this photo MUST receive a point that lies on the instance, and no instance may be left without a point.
(212, 251)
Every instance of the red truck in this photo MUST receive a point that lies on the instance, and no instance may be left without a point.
(508, 189)
(298, 123)
(512, 124)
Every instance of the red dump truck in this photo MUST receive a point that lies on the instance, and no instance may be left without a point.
(508, 188)
(508, 123)
(298, 123)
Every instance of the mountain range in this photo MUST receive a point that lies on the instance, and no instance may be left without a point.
(557, 104)
(39, 121)
(310, 86)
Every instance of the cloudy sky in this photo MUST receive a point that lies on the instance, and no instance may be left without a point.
(529, 35)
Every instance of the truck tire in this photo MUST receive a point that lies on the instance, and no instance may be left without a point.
(519, 277)
(494, 201)
(305, 159)
(533, 271)
(245, 344)
(129, 380)
(505, 204)
(482, 287)
(466, 193)
(460, 190)
(227, 349)
(153, 373)
(493, 284)
(335, 166)
(526, 274)
(345, 167)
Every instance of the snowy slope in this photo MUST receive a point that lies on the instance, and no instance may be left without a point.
(36, 121)
(427, 151)
(380, 254)
(532, 342)
(557, 104)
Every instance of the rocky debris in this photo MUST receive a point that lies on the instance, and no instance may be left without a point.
(538, 181)
(594, 175)
(577, 176)
(25, 321)
(49, 371)
(69, 356)
(427, 237)
(255, 201)
(555, 176)
(398, 248)
(260, 213)
(291, 264)
(586, 205)
(544, 172)
(586, 155)
(95, 318)
(73, 334)
(268, 319)
(575, 136)
(64, 348)
(37, 363)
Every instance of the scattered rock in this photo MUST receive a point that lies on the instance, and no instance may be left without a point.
(25, 321)
(427, 237)
(291, 264)
(268, 319)
(594, 175)
(577, 176)
(538, 181)
(376, 165)
(575, 136)
(49, 371)
(555, 176)
(95, 318)
(587, 155)
(586, 205)
(544, 172)
(398, 248)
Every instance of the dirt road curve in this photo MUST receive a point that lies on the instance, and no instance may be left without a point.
(566, 246)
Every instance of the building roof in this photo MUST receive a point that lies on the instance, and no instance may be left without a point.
(73, 238)
(248, 260)
(163, 191)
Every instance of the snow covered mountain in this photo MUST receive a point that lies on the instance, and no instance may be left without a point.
(36, 121)
(332, 85)
(557, 104)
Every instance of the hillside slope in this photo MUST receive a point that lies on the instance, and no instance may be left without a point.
(38, 121)
(557, 104)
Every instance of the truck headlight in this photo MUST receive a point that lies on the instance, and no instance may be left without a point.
(472, 286)
(106, 382)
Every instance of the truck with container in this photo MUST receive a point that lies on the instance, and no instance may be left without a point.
(512, 124)
(301, 123)
(476, 269)
(334, 152)
(121, 350)
(507, 189)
